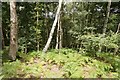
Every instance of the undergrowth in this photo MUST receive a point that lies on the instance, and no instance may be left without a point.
(64, 63)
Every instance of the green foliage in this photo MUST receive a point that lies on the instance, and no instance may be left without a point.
(25, 57)
(73, 65)
(109, 58)
(98, 43)
(82, 25)
(65, 63)
(32, 70)
(11, 69)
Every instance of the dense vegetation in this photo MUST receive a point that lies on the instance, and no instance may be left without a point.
(83, 40)
(65, 63)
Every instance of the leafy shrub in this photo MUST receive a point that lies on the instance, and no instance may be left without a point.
(10, 69)
(109, 58)
(95, 43)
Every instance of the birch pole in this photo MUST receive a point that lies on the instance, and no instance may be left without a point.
(53, 27)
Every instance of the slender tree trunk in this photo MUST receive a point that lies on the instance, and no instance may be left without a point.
(87, 16)
(46, 22)
(118, 29)
(61, 35)
(13, 30)
(25, 49)
(1, 27)
(3, 42)
(53, 27)
(57, 37)
(26, 39)
(38, 45)
(107, 17)
(1, 36)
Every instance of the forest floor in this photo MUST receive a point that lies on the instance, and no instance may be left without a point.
(65, 63)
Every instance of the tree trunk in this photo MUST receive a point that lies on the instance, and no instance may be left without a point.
(3, 42)
(57, 37)
(53, 27)
(37, 40)
(107, 17)
(1, 36)
(61, 35)
(1, 27)
(13, 31)
(118, 29)
(25, 50)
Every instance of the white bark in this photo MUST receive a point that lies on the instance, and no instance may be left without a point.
(53, 27)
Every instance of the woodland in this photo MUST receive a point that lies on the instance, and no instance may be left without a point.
(60, 40)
